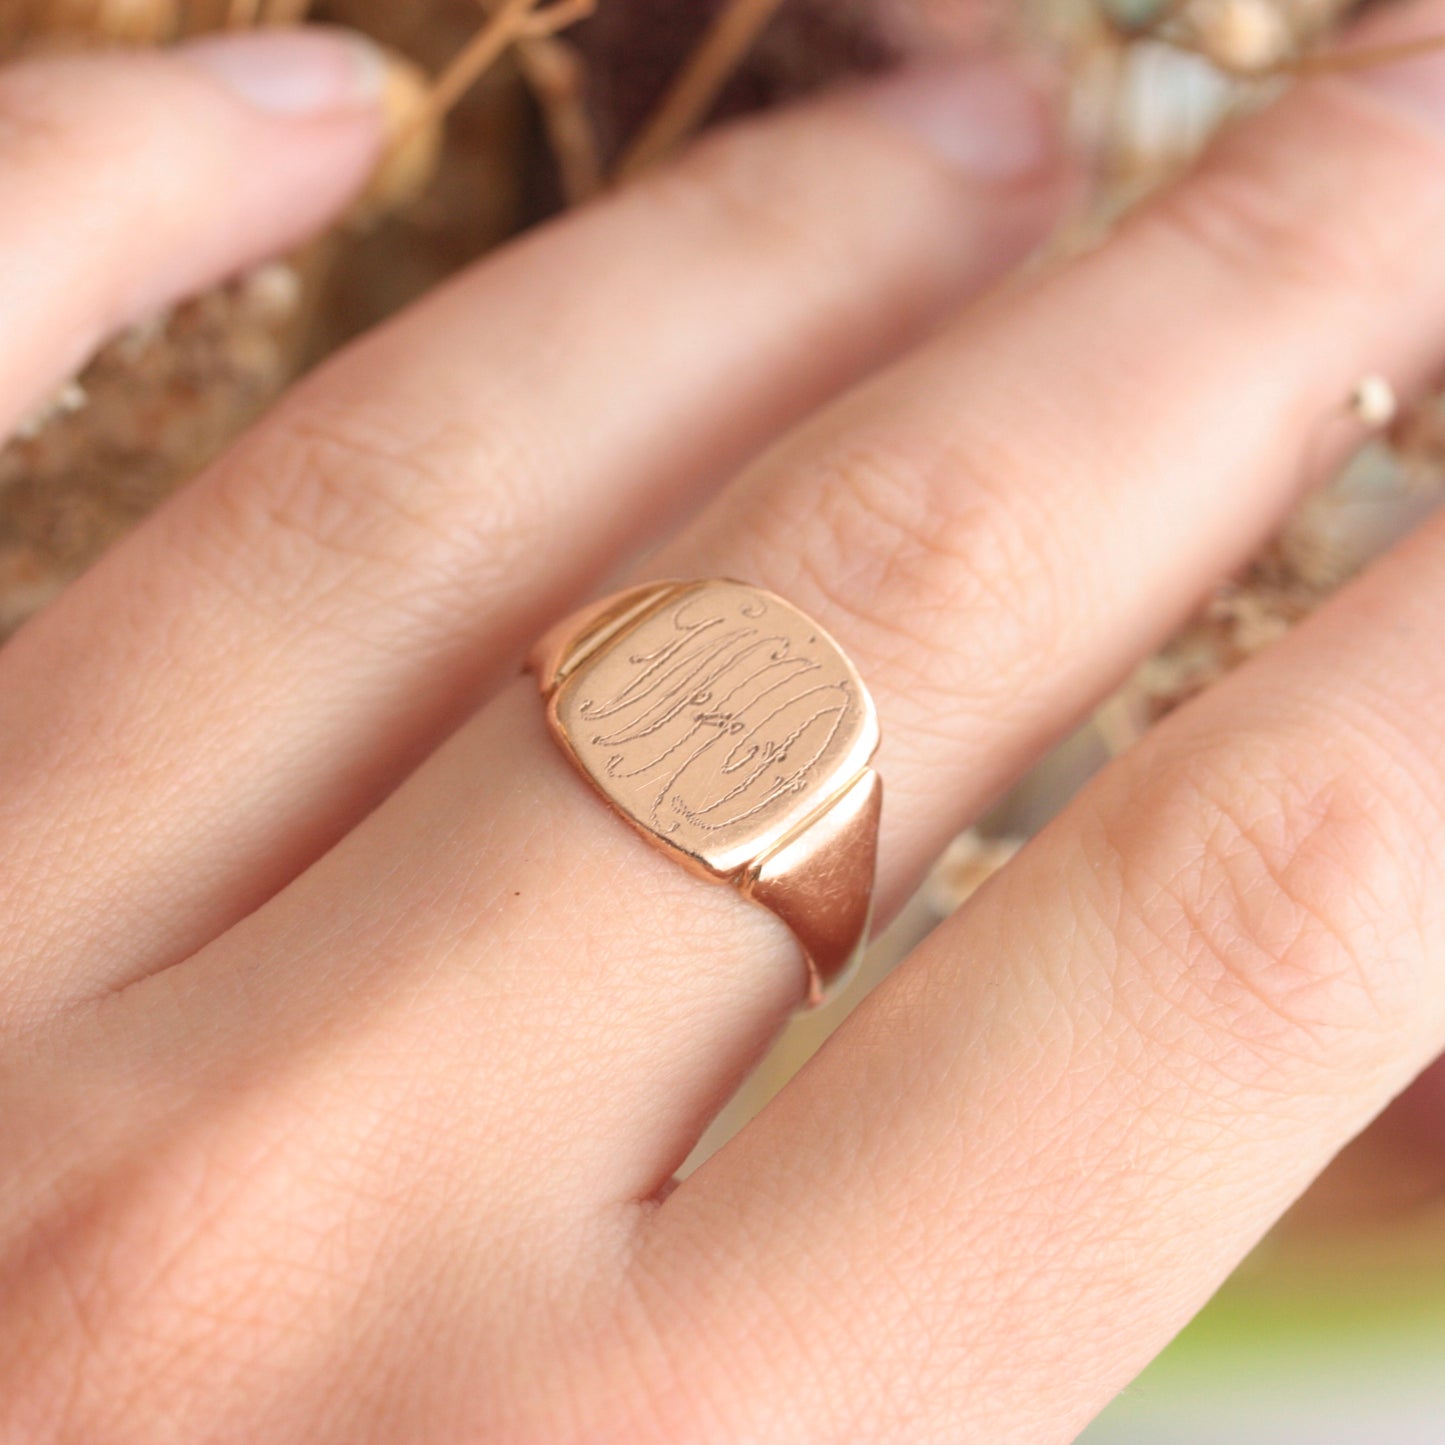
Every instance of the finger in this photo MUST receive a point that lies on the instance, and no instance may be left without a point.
(128, 181)
(1075, 1108)
(332, 599)
(991, 569)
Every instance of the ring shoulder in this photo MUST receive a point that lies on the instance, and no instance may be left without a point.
(819, 881)
(577, 637)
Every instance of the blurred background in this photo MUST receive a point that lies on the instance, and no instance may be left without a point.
(505, 111)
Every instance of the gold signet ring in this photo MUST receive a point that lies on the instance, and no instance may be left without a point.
(733, 733)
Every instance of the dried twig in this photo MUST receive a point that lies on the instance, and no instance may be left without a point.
(1254, 40)
(284, 12)
(558, 78)
(697, 87)
(511, 22)
(1363, 57)
(13, 24)
(1329, 61)
(557, 16)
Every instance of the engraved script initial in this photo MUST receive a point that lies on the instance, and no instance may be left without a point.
(718, 719)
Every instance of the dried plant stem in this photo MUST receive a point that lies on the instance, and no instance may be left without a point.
(489, 44)
(558, 16)
(283, 12)
(511, 22)
(1325, 61)
(1364, 57)
(558, 78)
(701, 81)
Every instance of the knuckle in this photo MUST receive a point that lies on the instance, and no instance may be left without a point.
(676, 1395)
(351, 498)
(1265, 895)
(750, 182)
(62, 114)
(1241, 213)
(134, 1273)
(909, 546)
(68, 1330)
(869, 550)
(32, 125)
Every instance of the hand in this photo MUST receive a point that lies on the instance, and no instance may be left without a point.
(350, 1042)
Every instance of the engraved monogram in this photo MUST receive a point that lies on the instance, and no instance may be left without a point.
(718, 717)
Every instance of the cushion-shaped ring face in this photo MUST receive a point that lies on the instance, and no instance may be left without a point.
(719, 723)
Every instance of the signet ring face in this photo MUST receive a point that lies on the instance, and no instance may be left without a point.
(733, 733)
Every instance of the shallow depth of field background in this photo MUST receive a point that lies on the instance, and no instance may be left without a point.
(1334, 1332)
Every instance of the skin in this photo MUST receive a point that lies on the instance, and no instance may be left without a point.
(348, 1043)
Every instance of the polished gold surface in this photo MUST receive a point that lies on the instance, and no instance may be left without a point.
(733, 732)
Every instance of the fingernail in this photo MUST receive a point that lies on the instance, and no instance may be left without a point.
(293, 72)
(995, 118)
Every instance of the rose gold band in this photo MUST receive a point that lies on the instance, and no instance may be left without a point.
(733, 733)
